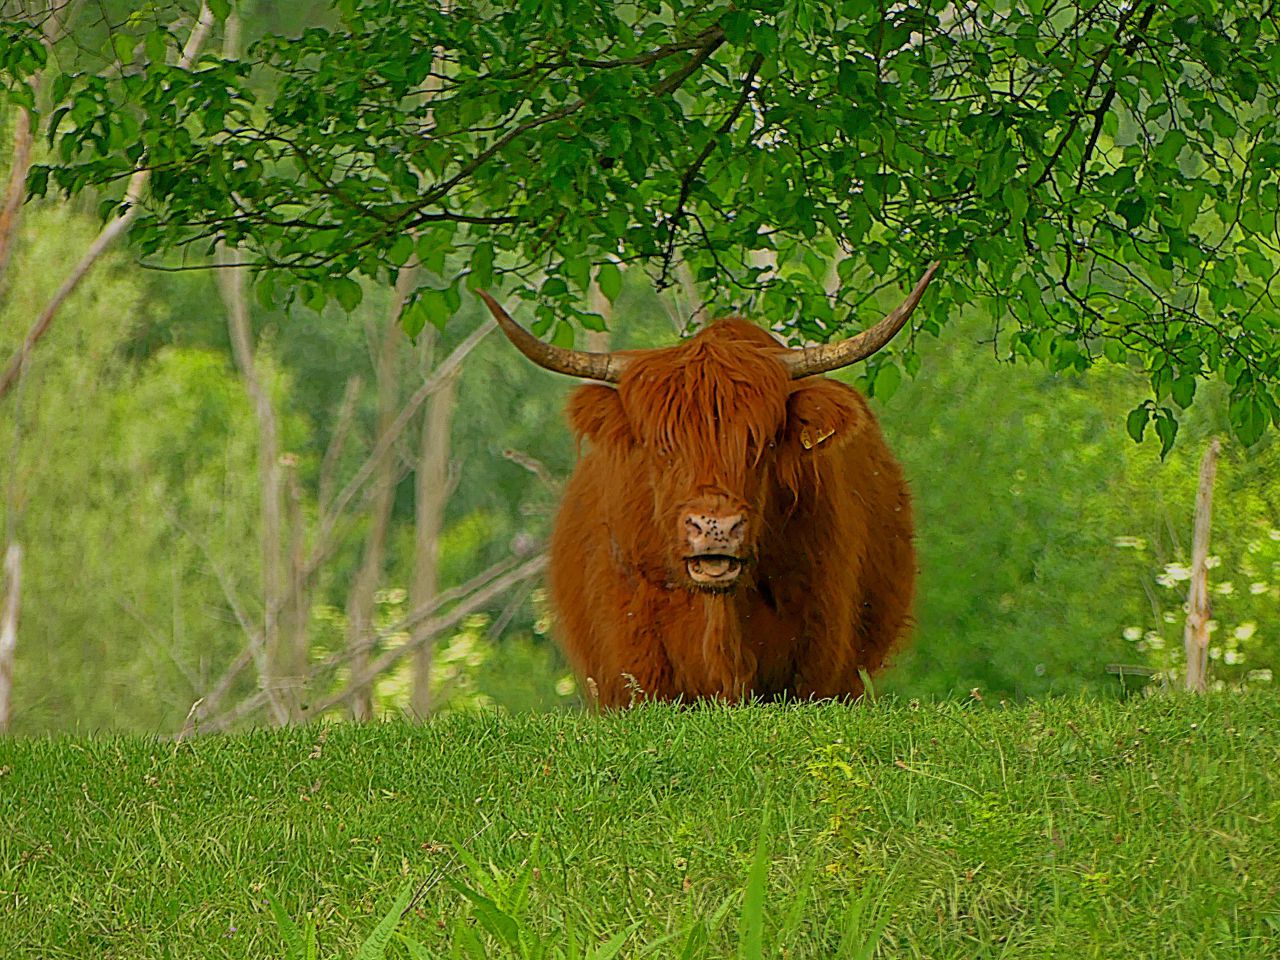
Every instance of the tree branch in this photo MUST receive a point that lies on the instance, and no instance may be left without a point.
(430, 628)
(686, 181)
(132, 197)
(393, 433)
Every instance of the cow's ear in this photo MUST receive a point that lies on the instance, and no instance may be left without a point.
(595, 412)
(822, 414)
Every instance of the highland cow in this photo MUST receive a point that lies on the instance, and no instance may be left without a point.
(737, 526)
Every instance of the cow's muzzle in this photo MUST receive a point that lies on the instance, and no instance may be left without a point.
(713, 571)
(713, 548)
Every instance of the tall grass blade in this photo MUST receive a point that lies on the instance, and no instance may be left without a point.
(416, 950)
(609, 950)
(858, 941)
(795, 910)
(518, 897)
(571, 940)
(653, 946)
(309, 932)
(751, 926)
(375, 947)
(466, 939)
(493, 918)
(294, 946)
(695, 944)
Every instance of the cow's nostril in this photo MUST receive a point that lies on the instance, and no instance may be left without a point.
(714, 533)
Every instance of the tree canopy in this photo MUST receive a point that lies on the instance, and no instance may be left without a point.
(1103, 179)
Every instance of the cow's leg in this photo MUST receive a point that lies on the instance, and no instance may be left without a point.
(827, 661)
(817, 686)
(631, 680)
(630, 659)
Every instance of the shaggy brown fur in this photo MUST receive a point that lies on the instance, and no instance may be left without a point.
(831, 568)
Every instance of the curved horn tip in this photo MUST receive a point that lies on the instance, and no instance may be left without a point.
(494, 307)
(576, 363)
(806, 362)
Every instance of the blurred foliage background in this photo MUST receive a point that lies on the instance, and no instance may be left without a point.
(1051, 545)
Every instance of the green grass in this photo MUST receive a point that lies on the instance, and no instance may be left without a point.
(1061, 829)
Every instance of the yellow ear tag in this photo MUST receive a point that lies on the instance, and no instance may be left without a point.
(809, 441)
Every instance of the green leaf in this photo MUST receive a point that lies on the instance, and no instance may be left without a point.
(401, 250)
(37, 181)
(1133, 209)
(347, 292)
(452, 298)
(481, 275)
(416, 950)
(695, 943)
(466, 939)
(887, 380)
(156, 45)
(578, 269)
(1183, 390)
(1114, 351)
(1166, 430)
(315, 296)
(122, 44)
(1136, 423)
(878, 258)
(609, 280)
(563, 335)
(1248, 418)
(611, 948)
(430, 306)
(493, 918)
(737, 26)
(62, 86)
(432, 247)
(1015, 200)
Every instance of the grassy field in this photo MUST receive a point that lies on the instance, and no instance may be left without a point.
(1060, 829)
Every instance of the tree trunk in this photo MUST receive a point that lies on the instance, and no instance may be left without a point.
(296, 650)
(271, 479)
(11, 210)
(9, 628)
(431, 495)
(361, 600)
(1196, 637)
(57, 16)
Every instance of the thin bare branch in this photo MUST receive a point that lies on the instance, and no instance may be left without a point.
(255, 650)
(431, 627)
(333, 453)
(429, 386)
(132, 197)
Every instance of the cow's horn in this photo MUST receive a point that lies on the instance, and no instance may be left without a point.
(608, 367)
(806, 361)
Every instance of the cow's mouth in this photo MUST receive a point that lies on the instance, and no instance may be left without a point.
(713, 569)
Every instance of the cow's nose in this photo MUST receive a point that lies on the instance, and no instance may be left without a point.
(712, 534)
